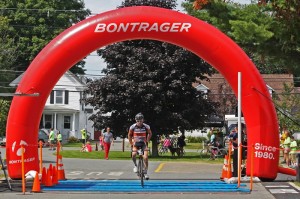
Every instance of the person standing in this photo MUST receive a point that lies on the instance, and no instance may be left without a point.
(83, 136)
(234, 140)
(139, 135)
(51, 139)
(108, 140)
(181, 143)
(59, 139)
(167, 144)
(286, 148)
(282, 139)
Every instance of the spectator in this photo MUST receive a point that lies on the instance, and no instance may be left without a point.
(59, 139)
(282, 138)
(234, 139)
(108, 140)
(88, 147)
(212, 136)
(181, 143)
(83, 136)
(167, 143)
(293, 152)
(51, 139)
(286, 148)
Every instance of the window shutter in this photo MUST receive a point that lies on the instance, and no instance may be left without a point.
(52, 97)
(66, 97)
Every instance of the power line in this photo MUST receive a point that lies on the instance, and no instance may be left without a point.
(48, 10)
(45, 10)
(277, 107)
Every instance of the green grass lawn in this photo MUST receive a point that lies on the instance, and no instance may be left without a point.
(188, 145)
(119, 155)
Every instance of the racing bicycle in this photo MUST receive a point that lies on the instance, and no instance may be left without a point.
(140, 166)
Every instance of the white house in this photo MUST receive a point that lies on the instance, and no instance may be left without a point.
(63, 110)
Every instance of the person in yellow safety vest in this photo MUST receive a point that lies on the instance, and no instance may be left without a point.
(83, 136)
(59, 139)
(51, 139)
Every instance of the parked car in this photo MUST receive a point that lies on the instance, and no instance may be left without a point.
(43, 136)
(2, 141)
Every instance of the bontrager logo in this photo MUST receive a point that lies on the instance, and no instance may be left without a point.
(19, 150)
(143, 27)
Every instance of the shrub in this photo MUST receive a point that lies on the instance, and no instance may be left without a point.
(191, 139)
(73, 139)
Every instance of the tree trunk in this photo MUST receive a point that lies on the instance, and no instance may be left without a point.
(154, 147)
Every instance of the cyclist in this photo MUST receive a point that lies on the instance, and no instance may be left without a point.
(139, 135)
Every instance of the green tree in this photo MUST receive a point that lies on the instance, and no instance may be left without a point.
(8, 55)
(4, 108)
(151, 77)
(287, 105)
(34, 23)
(286, 32)
(253, 27)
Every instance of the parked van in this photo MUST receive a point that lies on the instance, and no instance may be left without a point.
(43, 136)
(232, 122)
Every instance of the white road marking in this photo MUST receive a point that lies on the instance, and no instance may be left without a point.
(275, 191)
(115, 173)
(94, 173)
(75, 173)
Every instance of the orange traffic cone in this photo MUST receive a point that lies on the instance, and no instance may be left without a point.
(54, 176)
(49, 179)
(50, 169)
(44, 176)
(60, 169)
(36, 187)
(225, 167)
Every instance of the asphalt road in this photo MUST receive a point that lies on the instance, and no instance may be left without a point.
(122, 170)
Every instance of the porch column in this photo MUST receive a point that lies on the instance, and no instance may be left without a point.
(72, 131)
(55, 119)
(73, 122)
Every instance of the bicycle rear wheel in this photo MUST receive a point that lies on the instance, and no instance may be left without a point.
(141, 170)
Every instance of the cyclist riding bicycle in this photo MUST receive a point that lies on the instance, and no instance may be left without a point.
(139, 135)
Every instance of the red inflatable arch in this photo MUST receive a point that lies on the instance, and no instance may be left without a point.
(141, 23)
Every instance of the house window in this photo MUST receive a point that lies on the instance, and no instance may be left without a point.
(48, 121)
(59, 97)
(67, 122)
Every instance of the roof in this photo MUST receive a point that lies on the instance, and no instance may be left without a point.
(59, 108)
(71, 81)
(16, 81)
(274, 82)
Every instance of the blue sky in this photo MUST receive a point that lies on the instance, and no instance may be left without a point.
(94, 64)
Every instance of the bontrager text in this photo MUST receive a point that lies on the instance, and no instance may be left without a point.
(143, 27)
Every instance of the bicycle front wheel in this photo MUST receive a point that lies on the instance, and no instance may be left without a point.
(141, 170)
(203, 153)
